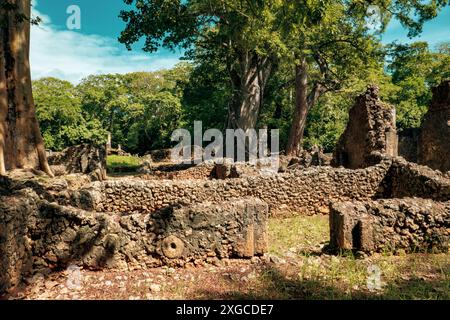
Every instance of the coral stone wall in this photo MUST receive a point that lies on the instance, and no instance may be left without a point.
(15, 244)
(434, 142)
(407, 179)
(371, 128)
(304, 192)
(408, 224)
(83, 158)
(38, 235)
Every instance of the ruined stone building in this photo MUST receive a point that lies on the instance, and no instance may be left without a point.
(433, 149)
(387, 204)
(430, 144)
(371, 128)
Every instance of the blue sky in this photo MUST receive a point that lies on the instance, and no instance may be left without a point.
(94, 49)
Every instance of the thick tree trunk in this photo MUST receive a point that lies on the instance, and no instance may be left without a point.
(301, 110)
(248, 82)
(21, 143)
(304, 101)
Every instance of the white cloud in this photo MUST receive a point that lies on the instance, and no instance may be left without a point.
(72, 55)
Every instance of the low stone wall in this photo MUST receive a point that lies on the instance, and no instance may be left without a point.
(38, 235)
(410, 224)
(15, 244)
(406, 179)
(179, 172)
(305, 192)
(136, 223)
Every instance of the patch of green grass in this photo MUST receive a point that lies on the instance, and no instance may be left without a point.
(302, 233)
(310, 273)
(118, 164)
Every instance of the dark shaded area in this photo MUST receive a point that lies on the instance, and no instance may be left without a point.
(278, 285)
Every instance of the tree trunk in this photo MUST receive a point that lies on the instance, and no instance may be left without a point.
(304, 101)
(301, 110)
(248, 83)
(21, 143)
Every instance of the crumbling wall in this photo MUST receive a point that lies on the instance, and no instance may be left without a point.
(15, 243)
(173, 236)
(434, 142)
(85, 158)
(201, 171)
(38, 235)
(409, 224)
(371, 128)
(303, 192)
(407, 179)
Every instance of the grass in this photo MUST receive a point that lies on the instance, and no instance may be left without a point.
(302, 270)
(308, 233)
(317, 275)
(120, 164)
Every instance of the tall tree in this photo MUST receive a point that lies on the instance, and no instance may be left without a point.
(61, 118)
(342, 46)
(21, 143)
(244, 34)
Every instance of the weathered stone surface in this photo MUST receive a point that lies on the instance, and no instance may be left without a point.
(407, 179)
(410, 224)
(15, 243)
(232, 170)
(312, 157)
(36, 234)
(236, 228)
(371, 128)
(304, 192)
(434, 142)
(201, 171)
(86, 159)
(137, 223)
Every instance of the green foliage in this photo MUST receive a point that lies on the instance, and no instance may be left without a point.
(140, 109)
(227, 38)
(415, 70)
(60, 115)
(326, 121)
(160, 116)
(206, 95)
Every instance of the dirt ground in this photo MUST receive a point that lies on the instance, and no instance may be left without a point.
(296, 267)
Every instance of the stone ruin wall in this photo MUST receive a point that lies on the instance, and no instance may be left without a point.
(407, 179)
(371, 128)
(179, 172)
(84, 158)
(153, 223)
(302, 192)
(38, 235)
(150, 223)
(391, 225)
(411, 213)
(430, 144)
(434, 141)
(415, 213)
